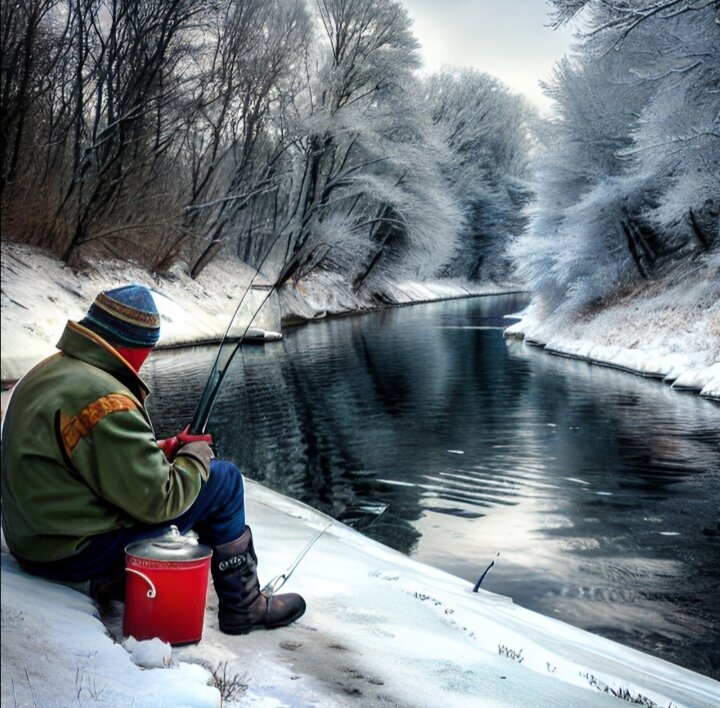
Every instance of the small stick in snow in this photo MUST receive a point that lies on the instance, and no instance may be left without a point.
(27, 675)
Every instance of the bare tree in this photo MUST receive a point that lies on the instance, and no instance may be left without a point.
(257, 48)
(29, 55)
(127, 54)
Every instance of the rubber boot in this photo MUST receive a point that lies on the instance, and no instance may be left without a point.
(243, 607)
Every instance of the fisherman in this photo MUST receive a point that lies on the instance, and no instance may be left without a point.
(83, 474)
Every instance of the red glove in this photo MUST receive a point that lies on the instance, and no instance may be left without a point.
(171, 446)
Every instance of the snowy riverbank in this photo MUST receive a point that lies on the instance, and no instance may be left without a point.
(39, 294)
(668, 330)
(380, 630)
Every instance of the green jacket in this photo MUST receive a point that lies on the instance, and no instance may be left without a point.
(79, 455)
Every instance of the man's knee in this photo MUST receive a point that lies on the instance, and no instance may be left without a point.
(227, 475)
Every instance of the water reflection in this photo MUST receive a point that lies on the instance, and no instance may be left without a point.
(598, 489)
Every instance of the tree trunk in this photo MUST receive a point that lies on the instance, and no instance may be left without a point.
(698, 231)
(207, 256)
(633, 248)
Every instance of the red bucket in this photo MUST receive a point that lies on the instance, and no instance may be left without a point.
(166, 587)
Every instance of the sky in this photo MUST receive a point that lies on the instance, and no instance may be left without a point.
(506, 38)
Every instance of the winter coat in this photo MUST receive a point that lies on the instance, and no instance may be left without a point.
(79, 455)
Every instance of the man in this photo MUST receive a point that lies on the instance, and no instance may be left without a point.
(83, 474)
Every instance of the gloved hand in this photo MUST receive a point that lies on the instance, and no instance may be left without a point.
(171, 446)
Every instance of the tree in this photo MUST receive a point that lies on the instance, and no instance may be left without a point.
(296, 135)
(486, 131)
(257, 49)
(628, 185)
(28, 58)
(364, 62)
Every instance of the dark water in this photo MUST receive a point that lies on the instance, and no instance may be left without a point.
(599, 490)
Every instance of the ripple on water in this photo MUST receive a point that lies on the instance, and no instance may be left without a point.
(576, 475)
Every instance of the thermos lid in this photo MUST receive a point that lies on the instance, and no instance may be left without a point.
(171, 546)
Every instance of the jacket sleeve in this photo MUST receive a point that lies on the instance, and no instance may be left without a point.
(122, 463)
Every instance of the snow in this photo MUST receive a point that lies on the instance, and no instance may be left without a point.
(55, 651)
(381, 628)
(192, 311)
(149, 653)
(669, 331)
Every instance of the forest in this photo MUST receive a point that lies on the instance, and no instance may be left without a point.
(627, 186)
(301, 135)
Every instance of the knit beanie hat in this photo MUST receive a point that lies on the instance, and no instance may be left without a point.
(125, 316)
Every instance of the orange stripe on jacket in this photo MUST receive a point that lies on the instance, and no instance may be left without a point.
(75, 429)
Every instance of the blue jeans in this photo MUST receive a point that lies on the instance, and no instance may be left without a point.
(217, 515)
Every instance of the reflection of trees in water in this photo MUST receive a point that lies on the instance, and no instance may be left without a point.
(339, 408)
(650, 435)
(176, 379)
(344, 404)
(295, 418)
(323, 415)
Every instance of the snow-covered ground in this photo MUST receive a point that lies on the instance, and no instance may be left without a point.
(40, 293)
(381, 629)
(669, 330)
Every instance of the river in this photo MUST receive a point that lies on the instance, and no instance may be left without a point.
(595, 492)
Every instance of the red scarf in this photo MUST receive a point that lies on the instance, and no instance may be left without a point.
(134, 357)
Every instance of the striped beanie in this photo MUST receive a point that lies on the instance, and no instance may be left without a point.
(125, 316)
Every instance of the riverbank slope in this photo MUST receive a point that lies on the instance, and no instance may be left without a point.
(40, 293)
(667, 329)
(381, 630)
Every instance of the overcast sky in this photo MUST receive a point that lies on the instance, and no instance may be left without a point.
(506, 38)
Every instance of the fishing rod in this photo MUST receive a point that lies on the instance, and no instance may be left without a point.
(216, 378)
(201, 417)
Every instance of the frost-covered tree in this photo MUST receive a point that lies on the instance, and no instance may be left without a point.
(677, 138)
(486, 133)
(358, 73)
(628, 185)
(414, 218)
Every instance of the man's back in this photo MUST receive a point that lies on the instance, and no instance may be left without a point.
(47, 504)
(79, 455)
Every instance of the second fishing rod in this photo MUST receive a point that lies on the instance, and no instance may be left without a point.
(201, 417)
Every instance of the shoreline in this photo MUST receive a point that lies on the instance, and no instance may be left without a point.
(701, 381)
(262, 336)
(649, 334)
(193, 312)
(419, 636)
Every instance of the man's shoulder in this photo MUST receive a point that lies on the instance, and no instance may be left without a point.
(74, 379)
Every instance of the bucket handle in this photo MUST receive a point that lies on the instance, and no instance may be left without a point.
(152, 592)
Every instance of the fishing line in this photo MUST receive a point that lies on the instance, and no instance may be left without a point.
(278, 581)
